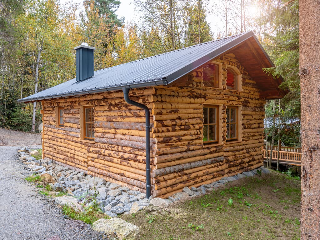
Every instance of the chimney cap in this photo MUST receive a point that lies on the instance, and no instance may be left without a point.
(84, 45)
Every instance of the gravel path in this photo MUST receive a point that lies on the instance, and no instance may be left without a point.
(25, 214)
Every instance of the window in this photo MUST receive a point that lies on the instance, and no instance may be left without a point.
(230, 79)
(60, 116)
(232, 123)
(88, 123)
(234, 79)
(211, 75)
(210, 124)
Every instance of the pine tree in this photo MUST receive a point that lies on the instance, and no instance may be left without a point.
(310, 115)
(280, 24)
(198, 28)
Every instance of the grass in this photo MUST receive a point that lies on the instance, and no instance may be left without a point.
(260, 207)
(38, 155)
(33, 178)
(89, 215)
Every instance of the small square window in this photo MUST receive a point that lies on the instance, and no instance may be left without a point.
(210, 124)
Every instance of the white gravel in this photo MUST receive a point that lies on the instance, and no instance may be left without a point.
(25, 214)
(17, 138)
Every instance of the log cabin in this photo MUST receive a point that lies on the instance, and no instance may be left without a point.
(179, 119)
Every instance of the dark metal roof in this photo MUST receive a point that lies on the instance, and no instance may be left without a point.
(156, 70)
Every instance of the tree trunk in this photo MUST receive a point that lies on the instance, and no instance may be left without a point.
(272, 133)
(226, 18)
(172, 25)
(36, 90)
(309, 18)
(279, 134)
(199, 19)
(267, 151)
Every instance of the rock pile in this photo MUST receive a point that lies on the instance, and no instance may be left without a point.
(113, 199)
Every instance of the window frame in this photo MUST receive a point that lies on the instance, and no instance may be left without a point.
(217, 124)
(84, 123)
(218, 75)
(235, 123)
(237, 78)
(59, 116)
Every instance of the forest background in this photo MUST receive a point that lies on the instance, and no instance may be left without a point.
(37, 38)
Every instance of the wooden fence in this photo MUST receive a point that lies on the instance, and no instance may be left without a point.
(291, 157)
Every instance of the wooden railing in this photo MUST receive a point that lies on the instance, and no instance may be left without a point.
(287, 149)
(292, 158)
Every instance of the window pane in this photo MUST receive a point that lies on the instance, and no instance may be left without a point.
(205, 133)
(89, 114)
(233, 131)
(228, 131)
(230, 79)
(233, 115)
(89, 130)
(210, 75)
(228, 114)
(212, 133)
(212, 115)
(205, 115)
(60, 116)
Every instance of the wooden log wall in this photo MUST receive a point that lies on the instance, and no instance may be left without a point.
(117, 152)
(179, 157)
(182, 159)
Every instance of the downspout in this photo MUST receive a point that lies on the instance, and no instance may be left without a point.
(128, 100)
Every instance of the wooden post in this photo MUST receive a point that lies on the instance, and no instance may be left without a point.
(273, 130)
(278, 155)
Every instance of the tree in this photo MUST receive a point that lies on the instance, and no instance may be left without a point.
(8, 10)
(39, 27)
(103, 10)
(198, 30)
(173, 24)
(310, 115)
(280, 24)
(107, 9)
(42, 56)
(167, 17)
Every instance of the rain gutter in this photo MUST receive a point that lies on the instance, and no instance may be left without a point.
(139, 105)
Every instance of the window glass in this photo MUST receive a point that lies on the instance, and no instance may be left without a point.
(60, 117)
(210, 124)
(230, 79)
(211, 75)
(89, 123)
(231, 123)
(205, 115)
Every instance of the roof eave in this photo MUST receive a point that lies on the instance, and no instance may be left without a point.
(156, 82)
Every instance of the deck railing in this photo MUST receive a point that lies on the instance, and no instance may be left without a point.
(287, 149)
(289, 157)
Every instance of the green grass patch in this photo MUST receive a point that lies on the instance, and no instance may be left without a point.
(33, 178)
(60, 194)
(44, 192)
(260, 207)
(88, 216)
